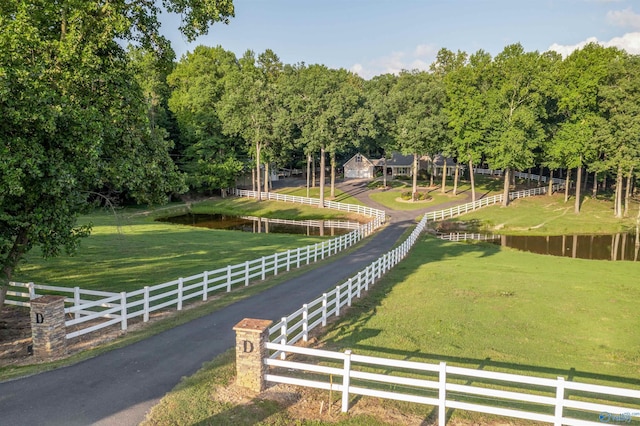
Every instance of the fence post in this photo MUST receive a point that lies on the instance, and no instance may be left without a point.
(179, 307)
(246, 273)
(251, 338)
(288, 260)
(283, 335)
(442, 395)
(275, 264)
(324, 309)
(123, 310)
(337, 300)
(298, 258)
(228, 278)
(559, 401)
(359, 282)
(345, 380)
(32, 290)
(205, 285)
(305, 322)
(349, 290)
(145, 316)
(76, 300)
(263, 267)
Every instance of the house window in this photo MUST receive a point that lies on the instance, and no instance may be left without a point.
(358, 158)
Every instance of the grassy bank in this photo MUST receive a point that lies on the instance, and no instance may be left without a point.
(550, 215)
(129, 249)
(471, 305)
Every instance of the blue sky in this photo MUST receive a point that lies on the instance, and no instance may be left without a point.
(372, 37)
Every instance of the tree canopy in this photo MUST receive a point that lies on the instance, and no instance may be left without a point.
(75, 120)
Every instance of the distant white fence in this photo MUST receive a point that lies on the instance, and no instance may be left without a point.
(547, 400)
(465, 236)
(90, 310)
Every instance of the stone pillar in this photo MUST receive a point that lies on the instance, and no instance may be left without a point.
(47, 327)
(251, 337)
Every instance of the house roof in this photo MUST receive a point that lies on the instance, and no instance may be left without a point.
(399, 160)
(364, 159)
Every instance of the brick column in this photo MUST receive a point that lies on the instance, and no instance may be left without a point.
(47, 327)
(251, 337)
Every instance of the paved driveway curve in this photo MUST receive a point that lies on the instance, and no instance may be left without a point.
(120, 386)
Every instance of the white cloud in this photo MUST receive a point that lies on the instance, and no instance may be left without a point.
(423, 50)
(419, 58)
(624, 18)
(629, 42)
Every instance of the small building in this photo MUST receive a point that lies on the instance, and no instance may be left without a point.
(397, 164)
(359, 167)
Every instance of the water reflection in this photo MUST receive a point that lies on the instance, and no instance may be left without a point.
(264, 225)
(621, 246)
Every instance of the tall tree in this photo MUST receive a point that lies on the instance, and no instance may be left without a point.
(577, 141)
(210, 159)
(620, 102)
(516, 106)
(324, 104)
(420, 127)
(248, 106)
(467, 110)
(74, 118)
(377, 92)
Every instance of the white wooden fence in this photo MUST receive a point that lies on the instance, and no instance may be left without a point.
(90, 310)
(556, 401)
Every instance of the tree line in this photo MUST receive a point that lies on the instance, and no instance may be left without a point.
(516, 111)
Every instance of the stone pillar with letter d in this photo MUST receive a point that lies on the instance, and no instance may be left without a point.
(47, 328)
(251, 338)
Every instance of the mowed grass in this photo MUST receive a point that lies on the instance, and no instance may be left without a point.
(128, 249)
(485, 186)
(550, 215)
(480, 305)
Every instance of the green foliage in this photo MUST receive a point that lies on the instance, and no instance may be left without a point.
(210, 159)
(75, 119)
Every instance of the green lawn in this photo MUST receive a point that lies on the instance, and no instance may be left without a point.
(485, 186)
(550, 215)
(129, 250)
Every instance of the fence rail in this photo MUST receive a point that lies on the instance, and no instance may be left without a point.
(556, 401)
(89, 311)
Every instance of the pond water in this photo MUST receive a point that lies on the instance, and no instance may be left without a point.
(622, 246)
(610, 247)
(264, 225)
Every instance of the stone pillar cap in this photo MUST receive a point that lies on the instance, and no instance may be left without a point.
(250, 324)
(47, 299)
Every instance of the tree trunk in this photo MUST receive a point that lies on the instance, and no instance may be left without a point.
(472, 179)
(414, 191)
(444, 175)
(529, 177)
(550, 190)
(308, 173)
(333, 175)
(567, 184)
(456, 175)
(266, 177)
(505, 192)
(11, 260)
(313, 172)
(618, 198)
(322, 167)
(576, 206)
(253, 179)
(594, 191)
(384, 171)
(627, 194)
(258, 194)
(433, 170)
